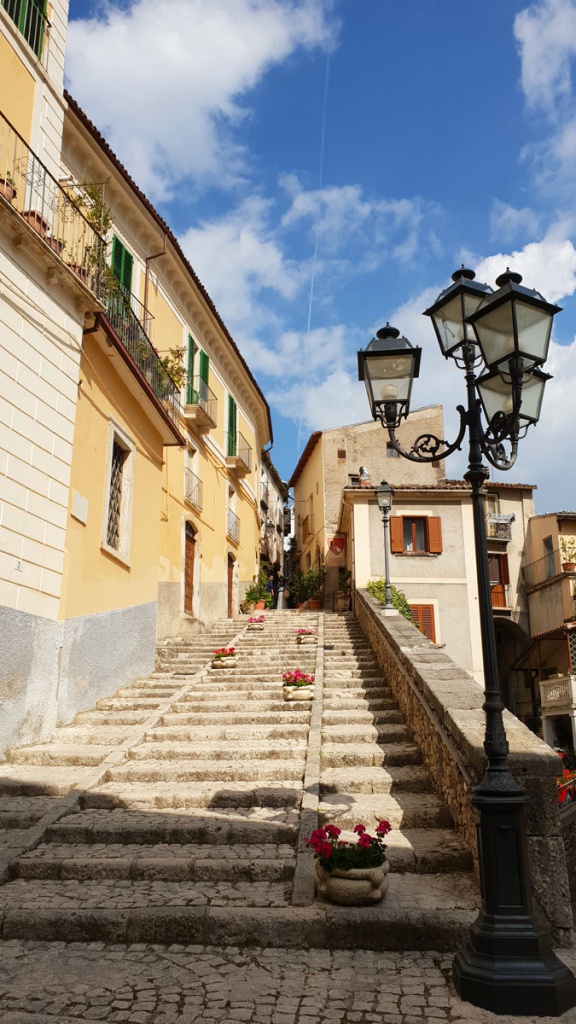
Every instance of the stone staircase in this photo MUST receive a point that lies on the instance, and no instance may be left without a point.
(175, 810)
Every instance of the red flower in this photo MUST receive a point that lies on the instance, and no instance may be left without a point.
(365, 840)
(359, 829)
(331, 830)
(383, 828)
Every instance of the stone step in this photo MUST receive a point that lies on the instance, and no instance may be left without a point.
(59, 754)
(97, 718)
(215, 827)
(403, 811)
(108, 735)
(207, 771)
(375, 697)
(243, 733)
(229, 717)
(334, 755)
(128, 704)
(393, 779)
(172, 796)
(395, 732)
(157, 694)
(361, 716)
(419, 912)
(215, 752)
(427, 851)
(165, 862)
(28, 780)
(197, 701)
(20, 812)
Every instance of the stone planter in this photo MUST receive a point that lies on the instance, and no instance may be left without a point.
(256, 625)
(225, 662)
(298, 692)
(302, 639)
(358, 887)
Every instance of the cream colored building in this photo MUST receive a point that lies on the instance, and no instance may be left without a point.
(432, 556)
(131, 426)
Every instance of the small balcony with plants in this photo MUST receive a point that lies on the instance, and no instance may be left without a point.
(238, 454)
(200, 409)
(499, 526)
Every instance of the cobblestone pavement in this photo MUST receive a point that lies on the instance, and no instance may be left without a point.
(63, 983)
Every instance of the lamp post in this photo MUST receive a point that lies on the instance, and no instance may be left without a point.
(508, 965)
(384, 497)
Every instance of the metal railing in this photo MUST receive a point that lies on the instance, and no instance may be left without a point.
(53, 212)
(232, 525)
(121, 316)
(237, 447)
(499, 527)
(198, 393)
(29, 16)
(542, 569)
(193, 488)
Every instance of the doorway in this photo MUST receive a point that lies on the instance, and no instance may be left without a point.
(189, 555)
(230, 586)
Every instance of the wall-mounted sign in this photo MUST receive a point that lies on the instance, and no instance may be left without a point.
(335, 550)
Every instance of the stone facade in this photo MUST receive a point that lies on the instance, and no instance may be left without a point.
(443, 708)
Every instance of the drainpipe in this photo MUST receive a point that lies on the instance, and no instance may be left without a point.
(147, 280)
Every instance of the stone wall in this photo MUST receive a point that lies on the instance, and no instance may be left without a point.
(568, 824)
(443, 709)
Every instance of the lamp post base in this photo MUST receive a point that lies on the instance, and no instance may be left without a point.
(530, 982)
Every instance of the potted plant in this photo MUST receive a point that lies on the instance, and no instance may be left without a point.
(306, 636)
(314, 585)
(7, 188)
(55, 243)
(568, 553)
(353, 874)
(256, 622)
(342, 594)
(297, 685)
(224, 657)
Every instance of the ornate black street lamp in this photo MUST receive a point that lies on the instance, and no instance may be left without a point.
(384, 497)
(508, 965)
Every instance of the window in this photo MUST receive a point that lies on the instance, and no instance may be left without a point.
(30, 18)
(423, 617)
(231, 449)
(549, 556)
(191, 396)
(415, 535)
(493, 503)
(499, 579)
(117, 525)
(391, 452)
(122, 263)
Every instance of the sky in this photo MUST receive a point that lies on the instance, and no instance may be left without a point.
(327, 164)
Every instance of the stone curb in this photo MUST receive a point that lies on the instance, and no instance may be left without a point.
(304, 874)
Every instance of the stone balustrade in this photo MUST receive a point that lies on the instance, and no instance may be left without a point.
(443, 708)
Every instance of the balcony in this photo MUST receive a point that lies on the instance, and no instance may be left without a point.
(542, 570)
(499, 527)
(558, 692)
(193, 489)
(30, 19)
(46, 218)
(120, 314)
(264, 496)
(233, 526)
(238, 454)
(200, 410)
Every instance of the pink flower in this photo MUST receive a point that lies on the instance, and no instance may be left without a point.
(365, 840)
(359, 829)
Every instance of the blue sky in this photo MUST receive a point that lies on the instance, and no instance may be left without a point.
(327, 164)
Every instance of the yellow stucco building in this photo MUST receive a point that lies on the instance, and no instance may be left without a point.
(131, 428)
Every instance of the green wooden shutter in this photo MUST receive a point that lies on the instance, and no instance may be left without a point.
(231, 426)
(204, 367)
(191, 394)
(122, 263)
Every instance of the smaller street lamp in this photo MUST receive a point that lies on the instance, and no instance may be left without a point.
(384, 497)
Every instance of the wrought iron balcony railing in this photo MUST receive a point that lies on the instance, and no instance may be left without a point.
(542, 569)
(238, 449)
(201, 404)
(193, 488)
(126, 324)
(49, 209)
(233, 525)
(29, 16)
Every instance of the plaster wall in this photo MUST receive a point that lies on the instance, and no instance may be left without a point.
(17, 86)
(51, 670)
(40, 344)
(311, 483)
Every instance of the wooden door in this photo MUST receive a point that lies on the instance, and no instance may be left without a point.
(230, 584)
(499, 579)
(189, 550)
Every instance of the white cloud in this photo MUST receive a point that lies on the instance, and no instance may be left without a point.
(549, 266)
(339, 399)
(546, 34)
(238, 258)
(166, 88)
(341, 216)
(508, 223)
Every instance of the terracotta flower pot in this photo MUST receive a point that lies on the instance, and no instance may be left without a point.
(568, 566)
(357, 887)
(36, 221)
(7, 190)
(314, 605)
(298, 692)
